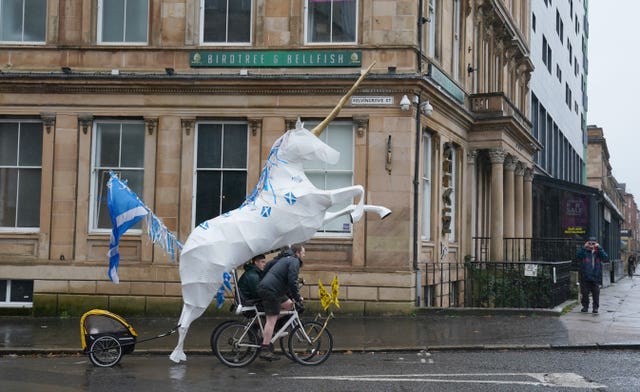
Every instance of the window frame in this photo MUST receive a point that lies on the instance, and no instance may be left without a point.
(94, 181)
(456, 38)
(7, 303)
(99, 27)
(309, 124)
(22, 41)
(221, 169)
(331, 42)
(433, 37)
(227, 42)
(17, 229)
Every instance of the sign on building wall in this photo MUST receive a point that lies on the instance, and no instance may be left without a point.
(575, 213)
(372, 100)
(272, 58)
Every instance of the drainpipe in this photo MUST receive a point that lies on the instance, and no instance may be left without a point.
(416, 170)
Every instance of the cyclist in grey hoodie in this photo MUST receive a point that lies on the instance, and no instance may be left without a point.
(280, 279)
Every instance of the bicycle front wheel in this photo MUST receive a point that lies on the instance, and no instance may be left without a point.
(235, 345)
(310, 344)
(215, 332)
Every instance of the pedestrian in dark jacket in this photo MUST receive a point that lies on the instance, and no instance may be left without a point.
(248, 282)
(280, 280)
(591, 256)
(632, 265)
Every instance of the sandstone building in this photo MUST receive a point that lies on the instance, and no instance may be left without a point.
(184, 98)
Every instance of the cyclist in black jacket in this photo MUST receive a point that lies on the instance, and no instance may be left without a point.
(280, 279)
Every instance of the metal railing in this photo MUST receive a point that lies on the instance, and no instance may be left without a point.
(541, 249)
(445, 285)
(535, 284)
(523, 249)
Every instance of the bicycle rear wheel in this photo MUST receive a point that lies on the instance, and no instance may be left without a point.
(235, 345)
(310, 344)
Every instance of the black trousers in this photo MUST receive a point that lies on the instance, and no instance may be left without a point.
(593, 288)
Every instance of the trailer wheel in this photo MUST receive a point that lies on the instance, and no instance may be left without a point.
(106, 351)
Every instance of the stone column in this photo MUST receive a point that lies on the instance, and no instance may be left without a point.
(469, 194)
(509, 206)
(527, 204)
(497, 204)
(519, 212)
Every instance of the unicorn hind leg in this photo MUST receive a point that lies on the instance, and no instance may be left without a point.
(189, 313)
(382, 211)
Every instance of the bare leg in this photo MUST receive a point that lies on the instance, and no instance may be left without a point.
(268, 329)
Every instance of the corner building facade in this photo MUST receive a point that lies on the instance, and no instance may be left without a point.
(184, 99)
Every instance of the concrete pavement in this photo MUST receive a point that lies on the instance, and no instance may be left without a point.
(617, 325)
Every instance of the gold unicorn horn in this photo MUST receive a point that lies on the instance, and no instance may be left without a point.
(334, 113)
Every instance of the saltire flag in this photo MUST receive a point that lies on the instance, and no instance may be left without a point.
(126, 209)
(226, 284)
(327, 299)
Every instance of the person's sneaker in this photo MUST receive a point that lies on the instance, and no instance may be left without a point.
(595, 310)
(584, 310)
(267, 354)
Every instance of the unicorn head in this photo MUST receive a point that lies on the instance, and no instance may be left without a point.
(301, 145)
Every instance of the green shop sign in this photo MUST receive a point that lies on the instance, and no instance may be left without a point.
(268, 58)
(447, 84)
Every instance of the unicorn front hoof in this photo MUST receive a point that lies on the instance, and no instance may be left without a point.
(178, 356)
(384, 212)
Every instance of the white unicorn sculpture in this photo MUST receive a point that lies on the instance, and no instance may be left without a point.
(284, 208)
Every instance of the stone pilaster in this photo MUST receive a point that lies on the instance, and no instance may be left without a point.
(527, 203)
(519, 194)
(469, 202)
(497, 157)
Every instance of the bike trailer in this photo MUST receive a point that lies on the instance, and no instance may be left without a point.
(106, 337)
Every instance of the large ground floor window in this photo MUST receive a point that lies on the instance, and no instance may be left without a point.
(118, 146)
(339, 135)
(20, 174)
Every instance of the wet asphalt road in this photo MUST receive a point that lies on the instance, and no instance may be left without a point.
(487, 370)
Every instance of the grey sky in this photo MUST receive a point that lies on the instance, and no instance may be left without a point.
(613, 84)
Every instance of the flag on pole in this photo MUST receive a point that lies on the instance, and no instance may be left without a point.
(126, 209)
(327, 298)
(335, 290)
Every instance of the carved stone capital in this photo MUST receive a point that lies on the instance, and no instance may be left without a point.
(362, 124)
(151, 123)
(472, 157)
(86, 121)
(187, 125)
(528, 174)
(49, 121)
(255, 124)
(520, 168)
(510, 163)
(497, 155)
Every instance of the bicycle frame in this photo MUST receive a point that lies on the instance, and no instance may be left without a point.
(282, 331)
